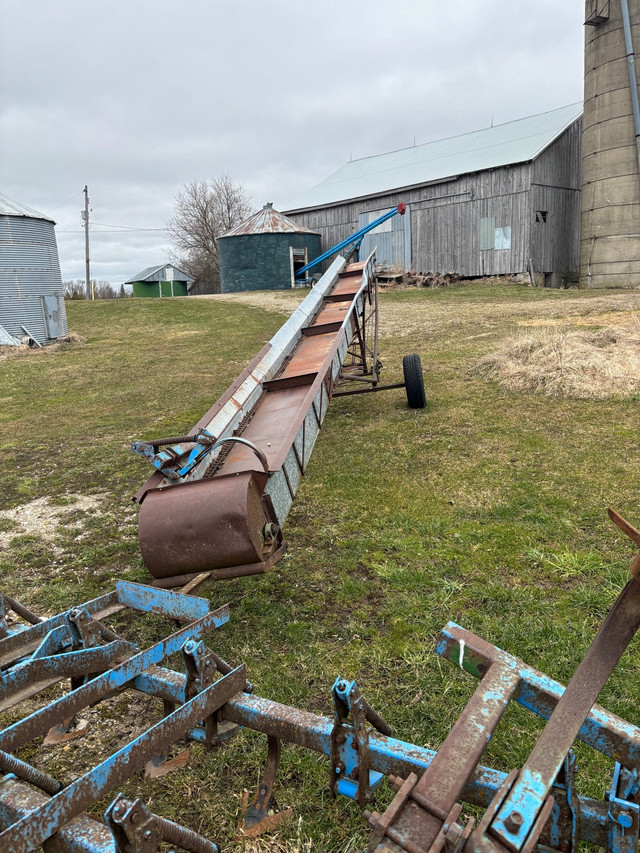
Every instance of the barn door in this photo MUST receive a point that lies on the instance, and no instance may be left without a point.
(392, 239)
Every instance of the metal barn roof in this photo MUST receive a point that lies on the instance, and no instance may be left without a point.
(267, 221)
(153, 274)
(9, 207)
(514, 142)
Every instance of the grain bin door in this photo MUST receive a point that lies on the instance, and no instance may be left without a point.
(392, 239)
(51, 312)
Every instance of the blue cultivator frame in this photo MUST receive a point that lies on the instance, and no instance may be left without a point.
(536, 807)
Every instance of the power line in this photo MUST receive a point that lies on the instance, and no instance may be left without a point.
(109, 230)
(65, 202)
(126, 227)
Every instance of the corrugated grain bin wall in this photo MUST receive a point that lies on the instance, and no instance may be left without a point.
(31, 291)
(257, 254)
(610, 220)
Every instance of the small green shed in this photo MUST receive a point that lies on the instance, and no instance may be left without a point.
(165, 280)
(265, 252)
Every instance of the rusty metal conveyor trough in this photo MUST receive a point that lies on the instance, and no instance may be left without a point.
(221, 494)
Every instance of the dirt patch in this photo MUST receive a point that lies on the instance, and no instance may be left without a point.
(101, 731)
(281, 301)
(42, 518)
(596, 365)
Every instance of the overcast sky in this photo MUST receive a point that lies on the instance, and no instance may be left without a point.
(136, 97)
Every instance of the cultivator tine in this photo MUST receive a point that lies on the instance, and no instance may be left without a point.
(64, 732)
(254, 817)
(536, 807)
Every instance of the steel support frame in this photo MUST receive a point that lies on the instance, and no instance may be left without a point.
(451, 773)
(28, 819)
(361, 360)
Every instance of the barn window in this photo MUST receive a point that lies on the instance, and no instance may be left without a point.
(487, 229)
(502, 238)
(541, 215)
(385, 226)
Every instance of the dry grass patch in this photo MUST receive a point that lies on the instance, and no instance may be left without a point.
(595, 365)
(23, 350)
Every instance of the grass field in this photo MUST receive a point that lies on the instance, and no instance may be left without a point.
(487, 508)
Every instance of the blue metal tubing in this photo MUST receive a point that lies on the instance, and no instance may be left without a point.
(64, 665)
(32, 830)
(83, 834)
(33, 635)
(150, 599)
(357, 235)
(387, 755)
(23, 731)
(602, 730)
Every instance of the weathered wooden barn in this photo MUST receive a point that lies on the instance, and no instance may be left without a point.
(505, 199)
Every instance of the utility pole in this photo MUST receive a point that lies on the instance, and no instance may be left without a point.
(85, 220)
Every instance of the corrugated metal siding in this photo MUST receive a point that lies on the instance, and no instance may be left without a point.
(490, 148)
(29, 270)
(262, 261)
(393, 244)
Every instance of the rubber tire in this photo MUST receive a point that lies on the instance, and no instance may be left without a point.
(414, 381)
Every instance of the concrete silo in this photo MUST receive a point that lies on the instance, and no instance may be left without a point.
(31, 292)
(610, 220)
(264, 252)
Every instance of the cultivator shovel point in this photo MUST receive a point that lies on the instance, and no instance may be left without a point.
(536, 807)
(255, 818)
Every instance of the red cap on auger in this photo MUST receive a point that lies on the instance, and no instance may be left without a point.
(401, 208)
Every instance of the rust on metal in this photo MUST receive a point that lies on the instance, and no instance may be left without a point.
(254, 816)
(215, 519)
(267, 221)
(443, 782)
(203, 525)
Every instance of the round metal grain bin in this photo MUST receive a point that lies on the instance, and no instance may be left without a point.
(264, 252)
(610, 230)
(31, 291)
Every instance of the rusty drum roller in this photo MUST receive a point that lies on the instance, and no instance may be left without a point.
(205, 525)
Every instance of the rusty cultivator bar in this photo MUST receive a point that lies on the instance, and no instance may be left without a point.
(221, 494)
(536, 807)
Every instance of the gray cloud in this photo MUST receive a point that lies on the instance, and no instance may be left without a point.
(136, 98)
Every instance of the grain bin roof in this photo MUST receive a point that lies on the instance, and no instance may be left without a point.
(514, 142)
(267, 221)
(9, 207)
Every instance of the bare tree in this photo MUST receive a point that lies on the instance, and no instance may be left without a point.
(104, 290)
(74, 288)
(205, 210)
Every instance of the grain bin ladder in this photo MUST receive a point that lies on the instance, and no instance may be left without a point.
(535, 808)
(221, 494)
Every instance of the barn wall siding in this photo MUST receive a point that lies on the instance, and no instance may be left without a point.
(446, 216)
